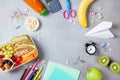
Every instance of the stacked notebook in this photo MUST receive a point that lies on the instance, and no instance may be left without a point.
(55, 71)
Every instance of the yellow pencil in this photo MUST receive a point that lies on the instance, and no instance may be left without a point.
(39, 78)
(38, 73)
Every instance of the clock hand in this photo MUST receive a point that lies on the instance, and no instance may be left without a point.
(90, 49)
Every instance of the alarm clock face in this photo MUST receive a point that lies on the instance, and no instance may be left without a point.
(91, 49)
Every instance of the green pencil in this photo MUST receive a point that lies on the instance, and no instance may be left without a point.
(37, 74)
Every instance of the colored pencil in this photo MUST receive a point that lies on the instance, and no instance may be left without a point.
(39, 78)
(37, 74)
(24, 73)
(35, 64)
(30, 77)
(34, 73)
(30, 74)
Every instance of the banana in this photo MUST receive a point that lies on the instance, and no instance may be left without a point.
(82, 12)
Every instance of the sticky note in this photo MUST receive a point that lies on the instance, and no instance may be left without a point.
(56, 69)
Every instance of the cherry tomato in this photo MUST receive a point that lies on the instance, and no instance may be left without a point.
(2, 56)
(16, 63)
(14, 58)
(19, 59)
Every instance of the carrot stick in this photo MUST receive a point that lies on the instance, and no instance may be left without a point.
(27, 58)
(29, 54)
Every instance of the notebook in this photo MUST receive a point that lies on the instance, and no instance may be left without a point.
(56, 71)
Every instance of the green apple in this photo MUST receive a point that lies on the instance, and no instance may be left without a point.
(94, 73)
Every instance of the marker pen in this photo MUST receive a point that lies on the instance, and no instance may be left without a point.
(37, 6)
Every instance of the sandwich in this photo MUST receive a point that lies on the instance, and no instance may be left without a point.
(22, 45)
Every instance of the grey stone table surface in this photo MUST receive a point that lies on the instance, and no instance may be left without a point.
(59, 39)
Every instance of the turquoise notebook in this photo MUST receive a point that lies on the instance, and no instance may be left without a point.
(55, 71)
(58, 74)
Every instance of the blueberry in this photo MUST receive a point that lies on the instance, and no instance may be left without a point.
(6, 61)
(10, 63)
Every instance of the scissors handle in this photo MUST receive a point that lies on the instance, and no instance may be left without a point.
(66, 14)
(73, 13)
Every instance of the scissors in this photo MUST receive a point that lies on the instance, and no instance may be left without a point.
(69, 12)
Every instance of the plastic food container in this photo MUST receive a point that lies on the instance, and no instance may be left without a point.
(8, 63)
(30, 46)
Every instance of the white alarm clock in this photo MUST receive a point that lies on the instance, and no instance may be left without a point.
(91, 48)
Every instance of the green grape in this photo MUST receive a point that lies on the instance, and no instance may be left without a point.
(11, 52)
(10, 48)
(6, 56)
(9, 45)
(7, 50)
(3, 49)
(10, 56)
(8, 53)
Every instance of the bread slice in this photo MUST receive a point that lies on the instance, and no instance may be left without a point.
(18, 39)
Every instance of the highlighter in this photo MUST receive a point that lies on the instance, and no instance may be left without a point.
(37, 6)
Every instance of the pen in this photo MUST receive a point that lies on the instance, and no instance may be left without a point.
(24, 73)
(37, 74)
(68, 6)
